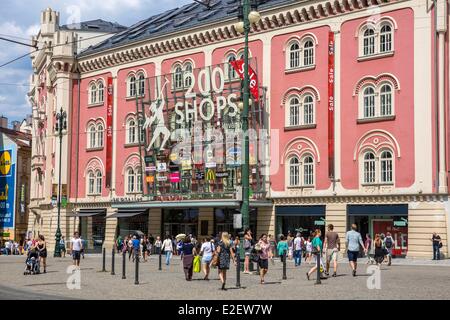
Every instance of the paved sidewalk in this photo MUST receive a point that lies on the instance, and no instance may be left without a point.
(400, 281)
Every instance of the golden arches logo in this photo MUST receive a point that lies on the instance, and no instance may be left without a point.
(5, 163)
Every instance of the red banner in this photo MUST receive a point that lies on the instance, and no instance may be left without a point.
(109, 131)
(331, 80)
(239, 66)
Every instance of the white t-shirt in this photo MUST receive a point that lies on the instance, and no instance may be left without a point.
(298, 243)
(207, 249)
(308, 246)
(167, 245)
(76, 244)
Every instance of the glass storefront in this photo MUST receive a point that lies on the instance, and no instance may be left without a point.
(223, 220)
(303, 219)
(381, 219)
(178, 221)
(137, 224)
(92, 231)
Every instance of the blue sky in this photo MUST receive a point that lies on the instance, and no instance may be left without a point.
(20, 19)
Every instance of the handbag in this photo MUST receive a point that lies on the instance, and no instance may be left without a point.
(196, 264)
(215, 260)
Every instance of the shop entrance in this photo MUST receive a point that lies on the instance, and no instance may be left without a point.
(92, 229)
(381, 219)
(176, 221)
(131, 222)
(303, 219)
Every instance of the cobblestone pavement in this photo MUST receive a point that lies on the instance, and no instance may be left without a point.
(402, 280)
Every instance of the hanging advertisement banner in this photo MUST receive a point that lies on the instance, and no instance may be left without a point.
(109, 130)
(331, 57)
(7, 186)
(174, 177)
(239, 66)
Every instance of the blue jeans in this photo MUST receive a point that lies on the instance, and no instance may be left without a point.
(298, 257)
(436, 252)
(168, 257)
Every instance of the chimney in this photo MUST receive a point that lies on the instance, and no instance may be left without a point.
(16, 125)
(3, 122)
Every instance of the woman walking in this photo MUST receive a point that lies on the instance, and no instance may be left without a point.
(379, 250)
(248, 249)
(369, 245)
(282, 247)
(225, 253)
(317, 251)
(167, 249)
(206, 251)
(264, 256)
(187, 255)
(308, 251)
(42, 248)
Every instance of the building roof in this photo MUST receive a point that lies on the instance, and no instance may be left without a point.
(20, 138)
(179, 19)
(98, 25)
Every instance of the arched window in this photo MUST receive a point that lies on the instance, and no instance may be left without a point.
(93, 94)
(369, 102)
(131, 131)
(188, 69)
(308, 110)
(91, 182)
(386, 100)
(386, 38)
(294, 111)
(141, 131)
(294, 172)
(138, 180)
(92, 134)
(100, 132)
(178, 77)
(132, 86)
(101, 92)
(369, 42)
(294, 55)
(308, 53)
(308, 171)
(369, 167)
(231, 73)
(141, 84)
(386, 167)
(130, 180)
(99, 181)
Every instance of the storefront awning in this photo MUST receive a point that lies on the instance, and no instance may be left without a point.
(378, 210)
(126, 213)
(300, 211)
(88, 213)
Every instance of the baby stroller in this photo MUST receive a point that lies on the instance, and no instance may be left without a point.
(32, 263)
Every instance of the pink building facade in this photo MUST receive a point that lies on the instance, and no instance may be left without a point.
(388, 172)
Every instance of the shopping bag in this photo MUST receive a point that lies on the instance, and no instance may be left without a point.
(197, 264)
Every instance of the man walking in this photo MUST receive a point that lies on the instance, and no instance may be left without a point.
(389, 244)
(332, 247)
(353, 240)
(298, 243)
(76, 245)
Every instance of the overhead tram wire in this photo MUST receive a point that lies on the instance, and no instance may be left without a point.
(49, 47)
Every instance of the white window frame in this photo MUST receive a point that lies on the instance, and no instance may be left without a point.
(131, 129)
(98, 182)
(100, 92)
(92, 135)
(294, 172)
(100, 135)
(133, 178)
(310, 174)
(378, 164)
(91, 183)
(230, 73)
(291, 122)
(93, 93)
(140, 84)
(301, 110)
(378, 96)
(177, 77)
(300, 54)
(377, 39)
(300, 174)
(131, 86)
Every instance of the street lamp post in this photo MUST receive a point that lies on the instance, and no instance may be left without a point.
(60, 130)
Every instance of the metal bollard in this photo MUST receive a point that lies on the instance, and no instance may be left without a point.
(319, 255)
(238, 270)
(160, 268)
(124, 255)
(284, 265)
(112, 262)
(136, 271)
(104, 260)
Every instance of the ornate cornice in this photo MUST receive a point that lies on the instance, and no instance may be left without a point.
(273, 19)
(360, 199)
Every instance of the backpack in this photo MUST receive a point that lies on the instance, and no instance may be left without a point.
(388, 242)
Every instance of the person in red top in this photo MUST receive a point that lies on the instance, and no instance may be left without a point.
(264, 256)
